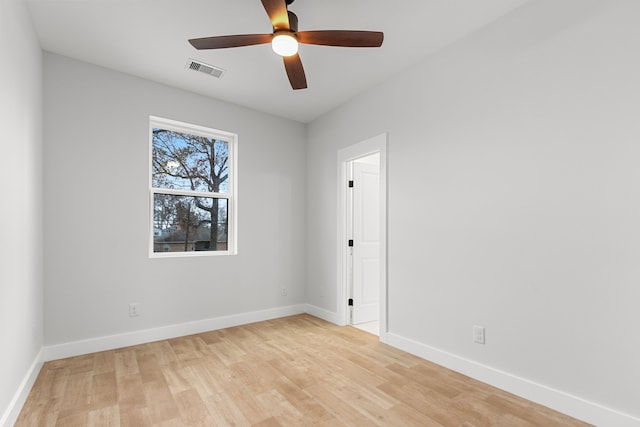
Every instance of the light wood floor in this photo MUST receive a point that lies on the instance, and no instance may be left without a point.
(296, 371)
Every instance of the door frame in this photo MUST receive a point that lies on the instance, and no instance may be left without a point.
(376, 144)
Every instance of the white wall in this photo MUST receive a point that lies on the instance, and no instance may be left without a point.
(514, 198)
(21, 326)
(96, 205)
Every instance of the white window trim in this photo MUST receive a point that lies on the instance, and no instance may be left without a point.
(231, 195)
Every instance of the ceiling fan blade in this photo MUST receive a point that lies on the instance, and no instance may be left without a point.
(222, 42)
(295, 71)
(277, 11)
(342, 38)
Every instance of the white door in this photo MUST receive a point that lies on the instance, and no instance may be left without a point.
(366, 240)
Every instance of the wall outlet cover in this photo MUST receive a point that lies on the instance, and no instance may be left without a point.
(478, 334)
(134, 309)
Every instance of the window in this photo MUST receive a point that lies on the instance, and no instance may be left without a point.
(192, 190)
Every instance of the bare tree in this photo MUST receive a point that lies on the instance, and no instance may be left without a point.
(164, 215)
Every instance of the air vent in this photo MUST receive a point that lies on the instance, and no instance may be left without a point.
(201, 67)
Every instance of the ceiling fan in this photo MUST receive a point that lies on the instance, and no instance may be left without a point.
(285, 38)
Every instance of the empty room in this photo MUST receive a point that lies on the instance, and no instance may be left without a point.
(337, 212)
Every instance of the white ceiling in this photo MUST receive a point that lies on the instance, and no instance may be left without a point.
(148, 38)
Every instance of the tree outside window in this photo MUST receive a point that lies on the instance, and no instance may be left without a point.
(191, 188)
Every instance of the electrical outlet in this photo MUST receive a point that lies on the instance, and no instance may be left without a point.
(478, 334)
(283, 291)
(134, 309)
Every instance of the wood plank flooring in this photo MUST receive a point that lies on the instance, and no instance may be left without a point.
(295, 371)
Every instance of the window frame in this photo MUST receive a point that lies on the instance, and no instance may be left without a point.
(232, 186)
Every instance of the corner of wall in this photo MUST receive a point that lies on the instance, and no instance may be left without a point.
(12, 412)
(323, 314)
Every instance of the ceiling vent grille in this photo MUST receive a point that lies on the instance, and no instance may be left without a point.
(201, 67)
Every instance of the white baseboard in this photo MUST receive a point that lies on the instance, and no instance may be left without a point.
(10, 415)
(560, 401)
(110, 342)
(329, 316)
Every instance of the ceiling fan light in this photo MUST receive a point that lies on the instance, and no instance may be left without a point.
(284, 45)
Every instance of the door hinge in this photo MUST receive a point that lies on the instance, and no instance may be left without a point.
(350, 243)
(351, 184)
(350, 302)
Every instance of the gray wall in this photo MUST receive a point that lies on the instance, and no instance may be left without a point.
(514, 200)
(21, 326)
(96, 208)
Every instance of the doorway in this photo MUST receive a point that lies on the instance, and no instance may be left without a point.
(363, 225)
(362, 229)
